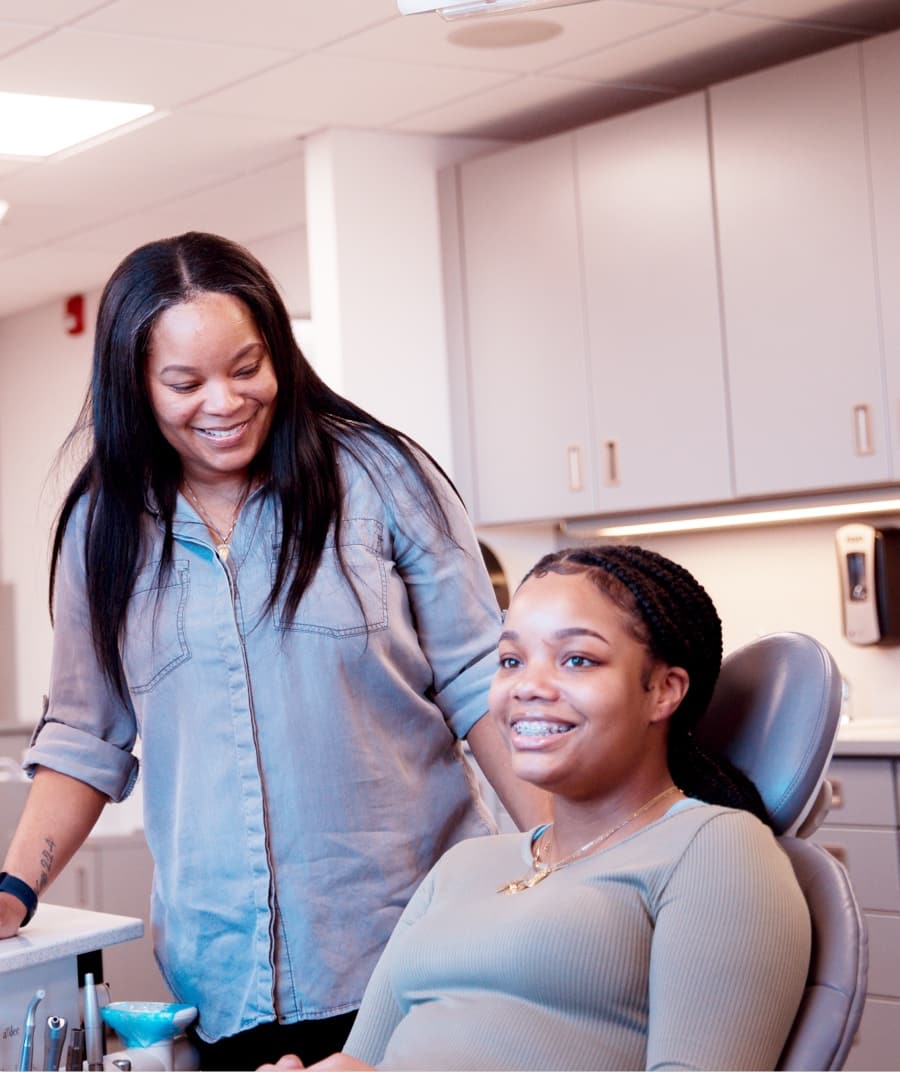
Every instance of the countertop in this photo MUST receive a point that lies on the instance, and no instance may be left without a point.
(872, 738)
(57, 932)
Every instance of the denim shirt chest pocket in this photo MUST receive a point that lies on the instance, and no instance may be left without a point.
(331, 605)
(155, 640)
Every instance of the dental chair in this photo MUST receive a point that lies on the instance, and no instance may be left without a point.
(775, 715)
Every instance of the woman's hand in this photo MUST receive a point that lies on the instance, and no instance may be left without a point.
(12, 912)
(337, 1062)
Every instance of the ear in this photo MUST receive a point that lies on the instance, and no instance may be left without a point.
(670, 684)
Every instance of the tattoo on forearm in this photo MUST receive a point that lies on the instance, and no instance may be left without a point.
(46, 863)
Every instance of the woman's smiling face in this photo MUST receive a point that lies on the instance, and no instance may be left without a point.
(575, 695)
(212, 385)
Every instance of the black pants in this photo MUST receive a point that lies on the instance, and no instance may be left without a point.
(310, 1040)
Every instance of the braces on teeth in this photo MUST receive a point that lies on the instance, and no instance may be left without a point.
(540, 729)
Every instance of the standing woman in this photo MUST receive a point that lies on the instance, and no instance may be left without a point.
(285, 600)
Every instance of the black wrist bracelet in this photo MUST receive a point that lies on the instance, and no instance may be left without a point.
(21, 891)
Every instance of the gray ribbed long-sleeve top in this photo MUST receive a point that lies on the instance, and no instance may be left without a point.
(684, 946)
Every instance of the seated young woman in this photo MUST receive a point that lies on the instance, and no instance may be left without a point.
(656, 923)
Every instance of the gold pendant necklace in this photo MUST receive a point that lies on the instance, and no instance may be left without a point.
(540, 870)
(223, 547)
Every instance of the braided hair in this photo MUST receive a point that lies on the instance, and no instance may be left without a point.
(672, 615)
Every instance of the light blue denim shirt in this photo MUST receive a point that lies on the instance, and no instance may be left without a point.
(300, 777)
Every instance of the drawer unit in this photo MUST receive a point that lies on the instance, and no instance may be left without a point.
(864, 793)
(884, 955)
(861, 830)
(877, 1043)
(870, 856)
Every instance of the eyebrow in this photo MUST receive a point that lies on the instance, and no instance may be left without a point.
(560, 634)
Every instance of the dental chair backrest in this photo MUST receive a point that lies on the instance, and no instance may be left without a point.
(775, 715)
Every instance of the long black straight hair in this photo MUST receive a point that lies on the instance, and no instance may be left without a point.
(131, 465)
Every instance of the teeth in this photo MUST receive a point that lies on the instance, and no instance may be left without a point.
(220, 433)
(539, 729)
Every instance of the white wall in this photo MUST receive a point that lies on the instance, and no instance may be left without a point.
(43, 378)
(285, 258)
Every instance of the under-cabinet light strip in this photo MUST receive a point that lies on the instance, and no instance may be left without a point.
(738, 520)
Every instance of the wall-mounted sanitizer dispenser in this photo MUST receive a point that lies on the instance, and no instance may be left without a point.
(869, 565)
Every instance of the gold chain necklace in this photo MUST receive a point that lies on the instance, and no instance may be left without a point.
(540, 870)
(223, 547)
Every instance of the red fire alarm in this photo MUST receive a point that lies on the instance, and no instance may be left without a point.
(75, 314)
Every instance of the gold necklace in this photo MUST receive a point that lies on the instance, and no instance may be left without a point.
(540, 870)
(223, 547)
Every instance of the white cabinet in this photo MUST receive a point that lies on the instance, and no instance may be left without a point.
(649, 326)
(592, 312)
(652, 308)
(530, 406)
(798, 277)
(881, 67)
(861, 830)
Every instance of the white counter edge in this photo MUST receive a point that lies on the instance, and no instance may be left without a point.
(57, 931)
(868, 739)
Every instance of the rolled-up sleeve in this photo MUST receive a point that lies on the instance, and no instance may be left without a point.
(86, 730)
(450, 592)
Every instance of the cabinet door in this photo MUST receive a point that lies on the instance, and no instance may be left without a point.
(76, 884)
(799, 292)
(527, 366)
(877, 1041)
(652, 304)
(881, 65)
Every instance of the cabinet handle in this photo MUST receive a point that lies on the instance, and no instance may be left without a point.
(838, 852)
(81, 872)
(837, 793)
(862, 429)
(612, 463)
(576, 481)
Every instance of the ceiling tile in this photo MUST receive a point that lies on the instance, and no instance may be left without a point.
(15, 35)
(260, 203)
(117, 67)
(336, 91)
(45, 12)
(48, 273)
(871, 15)
(528, 108)
(283, 24)
(169, 159)
(9, 165)
(584, 27)
(705, 49)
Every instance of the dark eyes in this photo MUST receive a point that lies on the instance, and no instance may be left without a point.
(579, 661)
(576, 662)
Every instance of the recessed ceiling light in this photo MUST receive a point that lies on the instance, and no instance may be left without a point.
(37, 126)
(504, 33)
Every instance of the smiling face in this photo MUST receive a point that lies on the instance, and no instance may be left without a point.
(212, 386)
(579, 699)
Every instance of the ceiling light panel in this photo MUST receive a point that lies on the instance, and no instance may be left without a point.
(38, 126)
